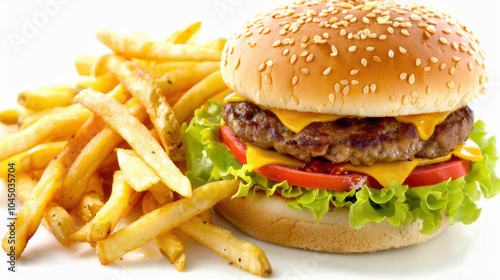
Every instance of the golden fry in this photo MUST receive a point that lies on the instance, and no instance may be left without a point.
(63, 124)
(162, 68)
(184, 34)
(104, 83)
(46, 97)
(162, 220)
(139, 138)
(113, 210)
(92, 200)
(32, 117)
(144, 49)
(60, 223)
(83, 64)
(30, 215)
(11, 116)
(168, 244)
(183, 78)
(197, 95)
(215, 44)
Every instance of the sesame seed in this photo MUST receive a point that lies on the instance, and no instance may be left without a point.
(354, 72)
(402, 50)
(391, 53)
(426, 69)
(326, 35)
(377, 58)
(295, 80)
(414, 94)
(337, 87)
(293, 59)
(373, 88)
(334, 51)
(443, 41)
(446, 31)
(345, 5)
(366, 20)
(277, 43)
(237, 63)
(348, 17)
(370, 49)
(262, 67)
(452, 70)
(282, 100)
(251, 44)
(248, 33)
(304, 71)
(433, 59)
(390, 30)
(310, 57)
(295, 29)
(352, 49)
(354, 82)
(392, 98)
(404, 101)
(430, 29)
(304, 39)
(303, 45)
(442, 66)
(411, 80)
(366, 89)
(431, 22)
(231, 50)
(343, 32)
(414, 101)
(345, 90)
(286, 51)
(331, 97)
(418, 62)
(403, 75)
(364, 62)
(470, 66)
(344, 82)
(427, 34)
(455, 46)
(405, 32)
(450, 84)
(327, 71)
(382, 37)
(270, 63)
(456, 58)
(267, 79)
(304, 54)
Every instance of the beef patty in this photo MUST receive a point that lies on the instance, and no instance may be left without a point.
(359, 141)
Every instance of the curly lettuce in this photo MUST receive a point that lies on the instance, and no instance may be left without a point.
(209, 160)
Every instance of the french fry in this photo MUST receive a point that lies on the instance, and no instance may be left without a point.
(183, 34)
(163, 219)
(168, 244)
(197, 95)
(104, 83)
(139, 138)
(183, 78)
(144, 89)
(113, 210)
(92, 200)
(46, 97)
(63, 124)
(206, 216)
(83, 64)
(30, 215)
(26, 182)
(163, 68)
(244, 254)
(60, 223)
(151, 50)
(93, 155)
(11, 116)
(219, 97)
(215, 44)
(34, 116)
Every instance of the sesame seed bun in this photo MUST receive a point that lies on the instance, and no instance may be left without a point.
(269, 219)
(355, 58)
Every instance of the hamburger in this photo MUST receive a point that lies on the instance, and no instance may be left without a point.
(348, 126)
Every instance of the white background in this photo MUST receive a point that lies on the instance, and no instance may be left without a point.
(54, 34)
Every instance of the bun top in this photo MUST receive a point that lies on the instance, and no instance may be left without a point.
(355, 58)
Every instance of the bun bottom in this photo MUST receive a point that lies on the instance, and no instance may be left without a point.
(269, 219)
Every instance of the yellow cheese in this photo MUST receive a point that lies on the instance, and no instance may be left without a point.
(258, 157)
(425, 123)
(384, 172)
(469, 151)
(293, 120)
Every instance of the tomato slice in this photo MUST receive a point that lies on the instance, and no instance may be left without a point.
(420, 176)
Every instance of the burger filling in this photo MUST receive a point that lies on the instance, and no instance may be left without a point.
(359, 141)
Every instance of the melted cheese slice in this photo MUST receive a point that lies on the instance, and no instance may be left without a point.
(425, 123)
(258, 157)
(297, 121)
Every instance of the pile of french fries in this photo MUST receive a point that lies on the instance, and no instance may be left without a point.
(90, 153)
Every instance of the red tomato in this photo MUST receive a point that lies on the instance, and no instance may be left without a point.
(325, 175)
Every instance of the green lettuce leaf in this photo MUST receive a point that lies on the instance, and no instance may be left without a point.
(209, 160)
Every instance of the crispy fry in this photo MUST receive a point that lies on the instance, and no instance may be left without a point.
(26, 182)
(168, 244)
(163, 68)
(183, 34)
(12, 116)
(215, 44)
(113, 210)
(60, 223)
(162, 220)
(144, 89)
(206, 216)
(92, 200)
(197, 95)
(48, 127)
(144, 49)
(182, 79)
(83, 64)
(30, 215)
(139, 138)
(104, 83)
(46, 97)
(33, 117)
(244, 254)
